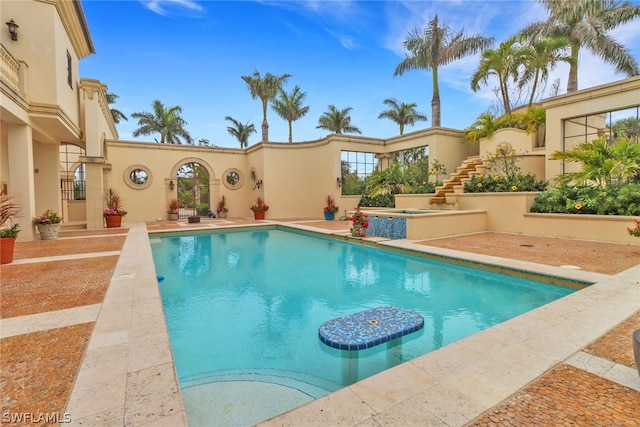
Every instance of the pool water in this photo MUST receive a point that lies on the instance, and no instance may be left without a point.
(244, 307)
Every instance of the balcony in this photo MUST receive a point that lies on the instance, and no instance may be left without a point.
(9, 69)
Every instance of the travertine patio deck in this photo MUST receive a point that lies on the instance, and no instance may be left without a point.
(75, 316)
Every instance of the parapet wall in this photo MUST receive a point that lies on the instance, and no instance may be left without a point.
(509, 213)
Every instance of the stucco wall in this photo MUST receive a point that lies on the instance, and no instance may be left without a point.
(152, 202)
(509, 213)
(296, 178)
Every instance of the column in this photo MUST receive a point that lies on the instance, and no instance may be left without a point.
(21, 178)
(94, 191)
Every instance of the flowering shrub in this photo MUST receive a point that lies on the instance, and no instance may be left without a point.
(587, 199)
(48, 217)
(635, 232)
(500, 184)
(380, 201)
(504, 160)
(360, 223)
(260, 205)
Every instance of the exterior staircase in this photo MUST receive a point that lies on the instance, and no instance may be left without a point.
(457, 179)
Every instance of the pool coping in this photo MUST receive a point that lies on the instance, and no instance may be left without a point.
(128, 374)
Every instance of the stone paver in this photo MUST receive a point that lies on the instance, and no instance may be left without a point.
(567, 396)
(38, 369)
(50, 286)
(587, 255)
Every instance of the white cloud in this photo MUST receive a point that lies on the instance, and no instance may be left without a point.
(160, 6)
(348, 42)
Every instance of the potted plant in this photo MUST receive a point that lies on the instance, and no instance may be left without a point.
(8, 231)
(174, 205)
(48, 225)
(259, 208)
(359, 223)
(113, 213)
(330, 210)
(222, 208)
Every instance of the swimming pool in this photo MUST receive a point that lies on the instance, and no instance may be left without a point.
(244, 307)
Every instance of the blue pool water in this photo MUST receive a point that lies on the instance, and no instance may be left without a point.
(246, 305)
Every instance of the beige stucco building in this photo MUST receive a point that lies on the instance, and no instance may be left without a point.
(46, 108)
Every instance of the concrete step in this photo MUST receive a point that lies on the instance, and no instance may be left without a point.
(76, 225)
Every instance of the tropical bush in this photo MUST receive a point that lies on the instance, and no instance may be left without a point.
(603, 163)
(393, 179)
(499, 184)
(486, 123)
(590, 199)
(380, 201)
(401, 178)
(202, 209)
(424, 187)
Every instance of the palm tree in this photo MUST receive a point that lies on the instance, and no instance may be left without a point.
(337, 121)
(540, 57)
(165, 121)
(484, 127)
(401, 113)
(628, 127)
(289, 107)
(266, 89)
(240, 131)
(438, 46)
(115, 113)
(392, 180)
(586, 23)
(502, 63)
(602, 163)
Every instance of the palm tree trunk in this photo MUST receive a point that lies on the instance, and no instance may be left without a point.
(265, 131)
(265, 124)
(572, 83)
(505, 96)
(435, 101)
(290, 132)
(534, 87)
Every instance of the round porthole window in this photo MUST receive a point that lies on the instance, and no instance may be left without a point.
(232, 178)
(137, 177)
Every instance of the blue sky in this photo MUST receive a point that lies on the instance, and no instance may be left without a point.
(193, 53)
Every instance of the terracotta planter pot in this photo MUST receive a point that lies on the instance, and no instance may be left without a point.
(113, 221)
(258, 214)
(48, 231)
(7, 245)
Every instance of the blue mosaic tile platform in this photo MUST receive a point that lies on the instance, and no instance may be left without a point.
(388, 227)
(369, 328)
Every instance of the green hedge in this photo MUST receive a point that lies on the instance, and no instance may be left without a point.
(586, 199)
(379, 201)
(502, 184)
